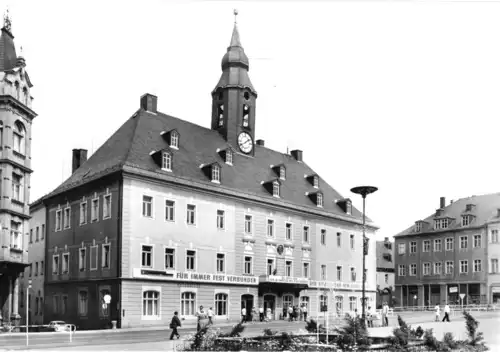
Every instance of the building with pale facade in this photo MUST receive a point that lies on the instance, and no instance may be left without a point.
(385, 273)
(16, 117)
(167, 215)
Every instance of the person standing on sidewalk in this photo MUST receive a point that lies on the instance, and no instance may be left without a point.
(174, 324)
(261, 314)
(201, 315)
(243, 315)
(210, 316)
(385, 313)
(437, 312)
(446, 313)
(304, 312)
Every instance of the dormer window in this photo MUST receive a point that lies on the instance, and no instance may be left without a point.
(418, 226)
(282, 173)
(174, 139)
(316, 181)
(348, 207)
(441, 224)
(276, 189)
(469, 207)
(215, 173)
(319, 200)
(166, 161)
(229, 157)
(466, 220)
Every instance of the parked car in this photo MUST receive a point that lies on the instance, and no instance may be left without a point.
(57, 326)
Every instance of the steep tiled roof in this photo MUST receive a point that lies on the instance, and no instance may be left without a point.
(133, 142)
(8, 55)
(485, 209)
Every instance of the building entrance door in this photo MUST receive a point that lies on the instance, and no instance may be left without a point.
(247, 303)
(269, 306)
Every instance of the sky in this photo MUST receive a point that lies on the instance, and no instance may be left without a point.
(401, 95)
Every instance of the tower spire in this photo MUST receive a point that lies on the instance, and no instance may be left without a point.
(235, 11)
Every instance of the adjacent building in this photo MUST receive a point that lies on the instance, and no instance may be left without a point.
(385, 272)
(453, 252)
(16, 117)
(167, 215)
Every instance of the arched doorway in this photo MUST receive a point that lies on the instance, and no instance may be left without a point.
(269, 305)
(247, 303)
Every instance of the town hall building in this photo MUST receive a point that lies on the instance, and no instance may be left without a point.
(167, 215)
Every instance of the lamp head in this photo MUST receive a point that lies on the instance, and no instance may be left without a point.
(364, 190)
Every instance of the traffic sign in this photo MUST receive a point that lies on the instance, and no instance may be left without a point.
(462, 295)
(107, 299)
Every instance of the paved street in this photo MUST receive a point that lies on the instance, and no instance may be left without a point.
(157, 340)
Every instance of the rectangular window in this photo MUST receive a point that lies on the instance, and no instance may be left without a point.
(65, 263)
(147, 206)
(437, 245)
(94, 212)
(339, 239)
(463, 242)
(93, 257)
(166, 161)
(248, 224)
(83, 213)
(437, 268)
(288, 231)
(55, 264)
(191, 214)
(494, 236)
(270, 266)
(16, 187)
(478, 267)
(426, 246)
(323, 237)
(170, 258)
(339, 273)
(106, 211)
(305, 269)
(464, 266)
(449, 268)
(323, 272)
(352, 242)
(477, 241)
(413, 269)
(449, 244)
(147, 256)
(55, 304)
(353, 305)
(31, 235)
(494, 266)
(106, 256)
(220, 219)
(37, 238)
(413, 247)
(248, 265)
(221, 263)
(386, 278)
(83, 303)
(67, 218)
(426, 269)
(353, 274)
(401, 248)
(270, 228)
(190, 260)
(151, 304)
(465, 220)
(169, 210)
(401, 270)
(42, 268)
(58, 220)
(82, 259)
(288, 268)
(43, 231)
(64, 304)
(305, 237)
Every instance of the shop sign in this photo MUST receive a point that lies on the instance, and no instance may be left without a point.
(495, 289)
(286, 279)
(453, 289)
(191, 276)
(335, 284)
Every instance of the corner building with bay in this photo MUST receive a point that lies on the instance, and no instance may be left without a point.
(167, 215)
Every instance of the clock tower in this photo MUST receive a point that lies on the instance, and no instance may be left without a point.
(233, 99)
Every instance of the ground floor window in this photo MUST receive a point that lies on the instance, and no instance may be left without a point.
(150, 304)
(323, 303)
(188, 303)
(304, 301)
(339, 304)
(82, 303)
(352, 304)
(496, 297)
(220, 304)
(287, 301)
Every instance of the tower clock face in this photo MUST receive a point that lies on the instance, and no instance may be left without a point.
(245, 142)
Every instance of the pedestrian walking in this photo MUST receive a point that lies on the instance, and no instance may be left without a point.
(210, 314)
(174, 324)
(290, 313)
(304, 312)
(243, 315)
(447, 311)
(261, 314)
(437, 312)
(385, 312)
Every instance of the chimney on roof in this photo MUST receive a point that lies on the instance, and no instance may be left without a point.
(451, 201)
(442, 204)
(297, 154)
(149, 102)
(260, 142)
(79, 157)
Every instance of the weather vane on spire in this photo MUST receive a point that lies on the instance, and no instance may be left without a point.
(235, 15)
(7, 24)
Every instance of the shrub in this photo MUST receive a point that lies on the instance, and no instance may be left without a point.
(354, 331)
(449, 340)
(269, 332)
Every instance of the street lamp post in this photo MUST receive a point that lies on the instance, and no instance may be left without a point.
(364, 191)
(27, 311)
